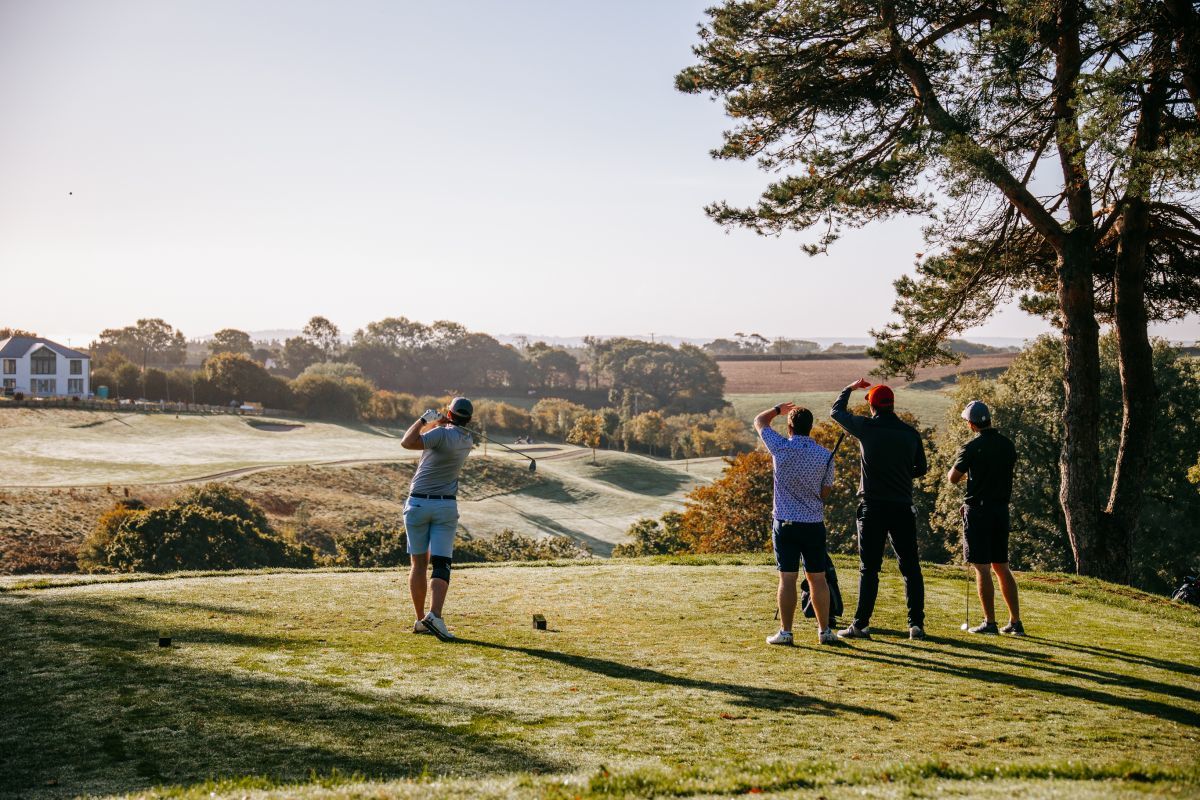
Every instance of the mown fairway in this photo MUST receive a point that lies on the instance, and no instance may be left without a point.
(63, 469)
(652, 681)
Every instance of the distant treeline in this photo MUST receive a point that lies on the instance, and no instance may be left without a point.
(394, 368)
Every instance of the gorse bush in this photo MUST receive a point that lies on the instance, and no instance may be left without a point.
(510, 546)
(211, 528)
(373, 546)
(654, 537)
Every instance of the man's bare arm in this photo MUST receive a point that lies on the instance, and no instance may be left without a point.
(954, 476)
(412, 436)
(763, 420)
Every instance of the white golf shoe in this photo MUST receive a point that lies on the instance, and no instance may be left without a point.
(782, 637)
(437, 626)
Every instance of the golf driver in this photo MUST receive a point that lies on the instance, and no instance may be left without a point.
(532, 461)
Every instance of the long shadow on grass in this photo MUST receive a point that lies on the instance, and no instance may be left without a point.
(1120, 655)
(1044, 662)
(747, 696)
(642, 477)
(1013, 680)
(91, 705)
(597, 546)
(160, 604)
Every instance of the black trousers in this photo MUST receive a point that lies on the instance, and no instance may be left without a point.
(878, 522)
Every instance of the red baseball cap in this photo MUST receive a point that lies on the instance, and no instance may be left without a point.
(881, 396)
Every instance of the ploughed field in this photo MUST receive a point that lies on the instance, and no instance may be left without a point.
(830, 375)
(652, 681)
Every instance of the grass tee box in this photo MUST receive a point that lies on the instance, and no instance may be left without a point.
(652, 680)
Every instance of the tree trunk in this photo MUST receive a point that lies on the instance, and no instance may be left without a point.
(1079, 460)
(1139, 392)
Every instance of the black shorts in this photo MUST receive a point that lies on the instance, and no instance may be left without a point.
(985, 534)
(799, 543)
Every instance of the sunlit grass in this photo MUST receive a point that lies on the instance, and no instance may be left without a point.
(652, 680)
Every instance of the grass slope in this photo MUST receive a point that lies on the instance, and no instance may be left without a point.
(652, 681)
(42, 526)
(929, 406)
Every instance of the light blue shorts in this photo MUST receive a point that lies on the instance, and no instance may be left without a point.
(430, 526)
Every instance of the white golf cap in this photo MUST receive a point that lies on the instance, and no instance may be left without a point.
(977, 412)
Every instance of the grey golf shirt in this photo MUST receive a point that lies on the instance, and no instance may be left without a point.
(446, 449)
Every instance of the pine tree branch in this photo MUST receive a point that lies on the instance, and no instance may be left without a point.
(942, 121)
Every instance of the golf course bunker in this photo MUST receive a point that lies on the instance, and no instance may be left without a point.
(274, 427)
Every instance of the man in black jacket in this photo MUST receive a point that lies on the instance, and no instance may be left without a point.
(892, 455)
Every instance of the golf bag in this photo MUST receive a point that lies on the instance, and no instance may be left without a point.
(1189, 592)
(835, 595)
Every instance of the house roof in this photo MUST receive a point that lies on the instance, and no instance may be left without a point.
(18, 346)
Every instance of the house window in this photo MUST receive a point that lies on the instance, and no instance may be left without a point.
(10, 366)
(44, 362)
(74, 385)
(45, 386)
(10, 383)
(76, 366)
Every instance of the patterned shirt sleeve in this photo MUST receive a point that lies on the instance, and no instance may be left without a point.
(829, 470)
(771, 439)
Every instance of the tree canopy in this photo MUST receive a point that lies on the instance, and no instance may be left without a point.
(1053, 147)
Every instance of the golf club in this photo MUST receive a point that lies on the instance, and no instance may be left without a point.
(532, 461)
(967, 617)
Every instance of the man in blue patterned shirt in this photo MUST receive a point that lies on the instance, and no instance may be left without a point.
(803, 479)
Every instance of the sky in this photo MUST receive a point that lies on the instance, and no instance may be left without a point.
(516, 166)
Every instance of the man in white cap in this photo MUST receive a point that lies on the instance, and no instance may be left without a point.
(431, 511)
(987, 462)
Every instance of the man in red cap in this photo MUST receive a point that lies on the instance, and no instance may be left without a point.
(891, 456)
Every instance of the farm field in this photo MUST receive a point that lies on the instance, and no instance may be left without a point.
(824, 375)
(928, 405)
(652, 681)
(52, 499)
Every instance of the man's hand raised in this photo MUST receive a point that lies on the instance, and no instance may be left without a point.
(861, 383)
(785, 408)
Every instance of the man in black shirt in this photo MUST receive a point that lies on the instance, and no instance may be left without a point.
(987, 463)
(891, 455)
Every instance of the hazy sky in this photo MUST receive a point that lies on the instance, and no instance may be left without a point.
(513, 166)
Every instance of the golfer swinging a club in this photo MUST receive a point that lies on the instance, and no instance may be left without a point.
(803, 479)
(431, 511)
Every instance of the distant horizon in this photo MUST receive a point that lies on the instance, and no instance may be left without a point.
(280, 334)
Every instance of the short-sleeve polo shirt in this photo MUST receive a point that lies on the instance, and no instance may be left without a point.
(802, 469)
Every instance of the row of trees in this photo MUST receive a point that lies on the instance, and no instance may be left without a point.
(401, 355)
(733, 514)
(1066, 138)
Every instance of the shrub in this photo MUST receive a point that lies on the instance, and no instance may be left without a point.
(320, 397)
(209, 527)
(92, 555)
(652, 537)
(510, 546)
(373, 546)
(388, 407)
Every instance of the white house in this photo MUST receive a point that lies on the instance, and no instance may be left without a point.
(42, 368)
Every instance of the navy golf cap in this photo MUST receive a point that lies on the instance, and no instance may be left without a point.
(977, 412)
(461, 406)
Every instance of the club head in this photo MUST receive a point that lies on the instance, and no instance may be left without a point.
(964, 626)
(533, 466)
